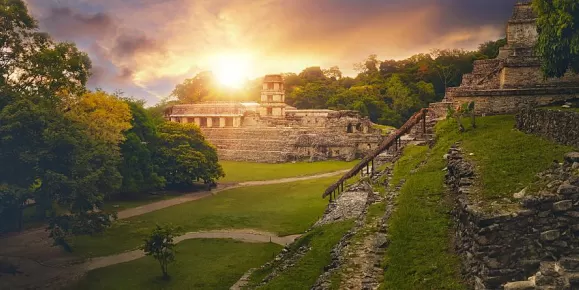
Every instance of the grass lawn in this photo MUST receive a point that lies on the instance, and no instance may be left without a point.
(285, 209)
(247, 171)
(419, 255)
(306, 271)
(411, 158)
(200, 264)
(506, 159)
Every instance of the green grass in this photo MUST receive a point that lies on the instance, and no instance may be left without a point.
(412, 156)
(284, 209)
(506, 159)
(305, 272)
(384, 130)
(419, 255)
(200, 264)
(247, 171)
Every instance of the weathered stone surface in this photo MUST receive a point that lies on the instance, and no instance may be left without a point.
(572, 157)
(559, 126)
(571, 264)
(521, 285)
(568, 189)
(501, 247)
(550, 235)
(562, 205)
(513, 80)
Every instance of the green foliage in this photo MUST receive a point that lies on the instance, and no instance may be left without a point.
(63, 142)
(184, 156)
(206, 264)
(31, 63)
(558, 41)
(140, 173)
(491, 48)
(160, 245)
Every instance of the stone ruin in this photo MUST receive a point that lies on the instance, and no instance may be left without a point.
(271, 131)
(514, 79)
(528, 243)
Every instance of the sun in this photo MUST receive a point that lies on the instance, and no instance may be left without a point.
(232, 69)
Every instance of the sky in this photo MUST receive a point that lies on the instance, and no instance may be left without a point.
(145, 47)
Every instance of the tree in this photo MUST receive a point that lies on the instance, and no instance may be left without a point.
(558, 40)
(333, 73)
(31, 63)
(313, 74)
(139, 171)
(184, 156)
(160, 245)
(105, 116)
(197, 89)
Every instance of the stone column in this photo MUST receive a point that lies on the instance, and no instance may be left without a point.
(198, 122)
(209, 122)
(221, 122)
(236, 122)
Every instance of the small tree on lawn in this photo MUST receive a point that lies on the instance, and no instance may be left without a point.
(160, 245)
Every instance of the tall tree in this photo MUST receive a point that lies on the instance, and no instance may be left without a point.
(30, 62)
(184, 156)
(139, 171)
(558, 41)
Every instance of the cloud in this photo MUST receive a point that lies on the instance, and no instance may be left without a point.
(154, 44)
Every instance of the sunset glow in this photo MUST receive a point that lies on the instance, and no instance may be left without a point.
(232, 70)
(146, 49)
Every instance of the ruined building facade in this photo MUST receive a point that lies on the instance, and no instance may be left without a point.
(272, 131)
(514, 79)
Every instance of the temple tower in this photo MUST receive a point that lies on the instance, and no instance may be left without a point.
(272, 97)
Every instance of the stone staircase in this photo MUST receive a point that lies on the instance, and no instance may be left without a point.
(251, 144)
(274, 145)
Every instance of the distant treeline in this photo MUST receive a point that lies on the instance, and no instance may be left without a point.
(387, 91)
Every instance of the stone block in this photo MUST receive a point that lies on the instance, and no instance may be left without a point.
(567, 189)
(572, 157)
(520, 285)
(573, 278)
(562, 205)
(570, 264)
(550, 235)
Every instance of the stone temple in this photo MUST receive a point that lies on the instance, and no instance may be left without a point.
(514, 79)
(272, 131)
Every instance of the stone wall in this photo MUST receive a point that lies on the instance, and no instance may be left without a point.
(502, 246)
(557, 125)
(494, 102)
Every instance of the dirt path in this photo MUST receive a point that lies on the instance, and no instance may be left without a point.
(57, 276)
(32, 252)
(244, 235)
